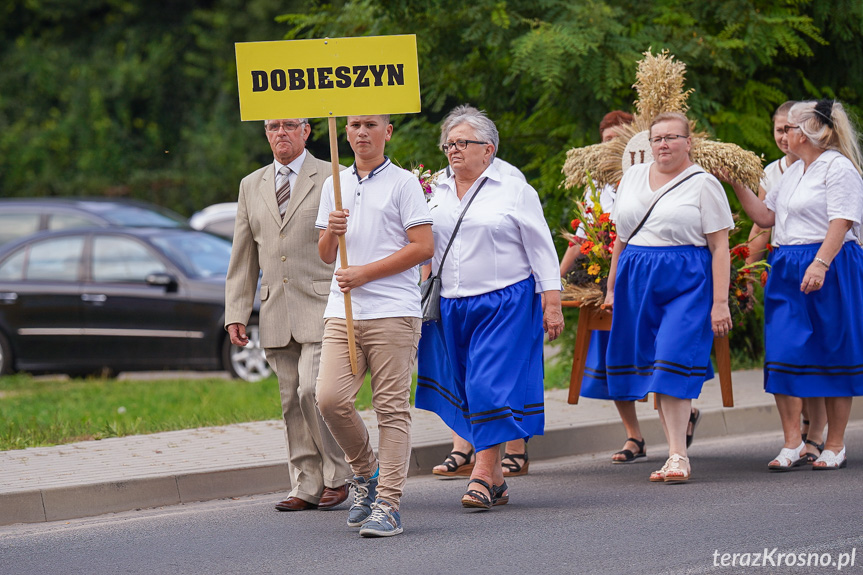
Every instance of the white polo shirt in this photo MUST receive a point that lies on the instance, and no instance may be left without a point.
(806, 202)
(383, 206)
(502, 240)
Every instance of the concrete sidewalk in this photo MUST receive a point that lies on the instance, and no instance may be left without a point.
(120, 474)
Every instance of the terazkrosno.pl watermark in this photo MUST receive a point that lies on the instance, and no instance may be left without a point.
(775, 558)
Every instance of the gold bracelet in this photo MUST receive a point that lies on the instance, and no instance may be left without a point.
(822, 262)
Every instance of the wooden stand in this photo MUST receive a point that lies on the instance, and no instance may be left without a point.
(592, 318)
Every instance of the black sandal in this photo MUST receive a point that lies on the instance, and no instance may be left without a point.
(477, 499)
(804, 435)
(513, 469)
(453, 469)
(811, 457)
(499, 496)
(628, 455)
(694, 418)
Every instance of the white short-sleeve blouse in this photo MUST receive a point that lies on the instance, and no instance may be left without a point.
(805, 202)
(683, 217)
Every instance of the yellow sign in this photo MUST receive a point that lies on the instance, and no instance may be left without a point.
(329, 77)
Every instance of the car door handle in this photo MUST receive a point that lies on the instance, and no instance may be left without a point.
(94, 298)
(8, 297)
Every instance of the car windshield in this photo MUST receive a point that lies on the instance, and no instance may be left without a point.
(137, 216)
(201, 255)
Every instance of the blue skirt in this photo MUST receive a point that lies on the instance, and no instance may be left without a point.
(594, 384)
(661, 335)
(480, 367)
(813, 342)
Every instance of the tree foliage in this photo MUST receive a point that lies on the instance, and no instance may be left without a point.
(548, 70)
(127, 98)
(139, 98)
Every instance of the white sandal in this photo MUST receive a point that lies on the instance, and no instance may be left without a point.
(789, 459)
(833, 460)
(659, 474)
(677, 469)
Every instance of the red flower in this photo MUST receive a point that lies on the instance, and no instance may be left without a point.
(604, 218)
(741, 251)
(586, 247)
(575, 223)
(770, 248)
(764, 275)
(571, 244)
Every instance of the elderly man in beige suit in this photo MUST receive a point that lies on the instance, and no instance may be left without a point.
(275, 233)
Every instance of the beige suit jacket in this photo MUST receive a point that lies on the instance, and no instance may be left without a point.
(295, 283)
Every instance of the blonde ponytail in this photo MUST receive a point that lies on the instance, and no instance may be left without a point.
(827, 125)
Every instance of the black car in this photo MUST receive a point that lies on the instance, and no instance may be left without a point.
(22, 217)
(99, 300)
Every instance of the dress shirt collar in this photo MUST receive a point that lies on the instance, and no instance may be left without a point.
(491, 172)
(825, 156)
(295, 165)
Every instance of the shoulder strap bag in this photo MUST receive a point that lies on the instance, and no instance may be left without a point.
(430, 289)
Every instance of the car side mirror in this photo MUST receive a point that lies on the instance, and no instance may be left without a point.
(168, 281)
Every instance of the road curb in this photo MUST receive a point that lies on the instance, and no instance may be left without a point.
(600, 438)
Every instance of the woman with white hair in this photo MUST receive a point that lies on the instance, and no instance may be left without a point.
(481, 365)
(814, 294)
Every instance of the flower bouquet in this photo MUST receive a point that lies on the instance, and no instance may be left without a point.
(743, 277)
(593, 232)
(427, 179)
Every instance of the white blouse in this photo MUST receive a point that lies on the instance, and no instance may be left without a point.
(773, 173)
(502, 240)
(683, 217)
(806, 202)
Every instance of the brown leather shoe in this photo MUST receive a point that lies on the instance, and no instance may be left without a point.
(294, 504)
(333, 496)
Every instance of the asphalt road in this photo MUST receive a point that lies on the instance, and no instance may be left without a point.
(572, 515)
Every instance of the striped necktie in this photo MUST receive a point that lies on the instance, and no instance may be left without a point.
(283, 189)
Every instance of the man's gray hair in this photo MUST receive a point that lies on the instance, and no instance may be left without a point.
(485, 129)
(300, 120)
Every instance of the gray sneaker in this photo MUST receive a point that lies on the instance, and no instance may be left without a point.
(383, 522)
(364, 492)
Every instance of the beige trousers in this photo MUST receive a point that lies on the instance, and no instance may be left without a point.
(387, 348)
(315, 460)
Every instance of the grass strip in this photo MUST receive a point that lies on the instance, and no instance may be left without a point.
(39, 412)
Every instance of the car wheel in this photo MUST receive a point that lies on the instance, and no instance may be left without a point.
(248, 363)
(6, 359)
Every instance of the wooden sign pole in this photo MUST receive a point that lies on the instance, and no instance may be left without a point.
(343, 252)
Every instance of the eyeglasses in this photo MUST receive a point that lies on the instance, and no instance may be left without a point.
(288, 126)
(669, 139)
(460, 145)
(786, 128)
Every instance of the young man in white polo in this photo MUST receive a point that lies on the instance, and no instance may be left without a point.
(387, 229)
